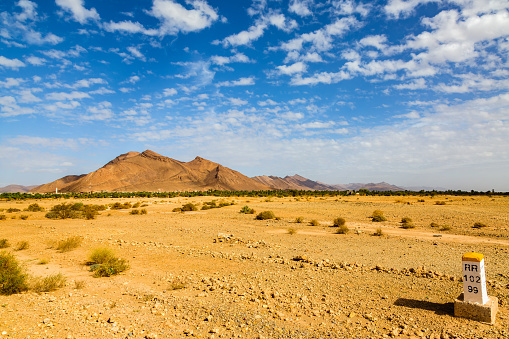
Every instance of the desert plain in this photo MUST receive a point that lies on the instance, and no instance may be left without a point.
(219, 273)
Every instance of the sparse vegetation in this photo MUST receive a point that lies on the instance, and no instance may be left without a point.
(4, 243)
(445, 228)
(104, 263)
(134, 212)
(247, 210)
(407, 223)
(23, 217)
(73, 211)
(186, 208)
(143, 211)
(22, 245)
(12, 210)
(343, 229)
(177, 285)
(13, 279)
(299, 220)
(434, 224)
(479, 225)
(314, 222)
(35, 208)
(292, 231)
(378, 216)
(440, 202)
(338, 222)
(68, 244)
(49, 283)
(378, 232)
(213, 204)
(120, 206)
(3, 217)
(43, 261)
(265, 215)
(79, 284)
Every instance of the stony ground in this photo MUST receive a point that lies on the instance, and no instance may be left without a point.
(221, 274)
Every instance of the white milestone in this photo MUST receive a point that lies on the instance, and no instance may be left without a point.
(474, 279)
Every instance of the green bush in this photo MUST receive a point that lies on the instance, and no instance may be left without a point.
(104, 263)
(338, 222)
(265, 215)
(4, 243)
(378, 216)
(12, 276)
(247, 210)
(49, 283)
(68, 244)
(62, 211)
(407, 223)
(34, 208)
(343, 229)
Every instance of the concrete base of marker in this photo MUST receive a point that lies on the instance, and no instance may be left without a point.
(484, 313)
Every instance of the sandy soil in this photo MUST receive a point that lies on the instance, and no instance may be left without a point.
(221, 274)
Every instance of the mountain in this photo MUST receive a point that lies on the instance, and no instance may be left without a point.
(295, 182)
(381, 186)
(16, 189)
(149, 171)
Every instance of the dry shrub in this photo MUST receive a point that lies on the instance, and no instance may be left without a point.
(299, 220)
(407, 223)
(22, 245)
(378, 216)
(338, 222)
(4, 243)
(68, 244)
(343, 229)
(479, 225)
(49, 283)
(265, 215)
(314, 222)
(104, 263)
(378, 232)
(292, 231)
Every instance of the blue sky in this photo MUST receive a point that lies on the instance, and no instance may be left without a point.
(414, 93)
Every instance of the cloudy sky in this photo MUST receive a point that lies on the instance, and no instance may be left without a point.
(411, 92)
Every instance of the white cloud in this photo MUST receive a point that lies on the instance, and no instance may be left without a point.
(244, 37)
(415, 84)
(169, 92)
(133, 79)
(268, 102)
(101, 91)
(321, 78)
(241, 82)
(298, 67)
(11, 82)
(300, 7)
(78, 10)
(11, 63)
(100, 112)
(222, 60)
(175, 18)
(349, 7)
(136, 53)
(27, 96)
(395, 8)
(237, 101)
(88, 82)
(281, 22)
(67, 96)
(129, 27)
(36, 61)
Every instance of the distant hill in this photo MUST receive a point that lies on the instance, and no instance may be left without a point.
(149, 171)
(16, 189)
(295, 182)
(381, 186)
